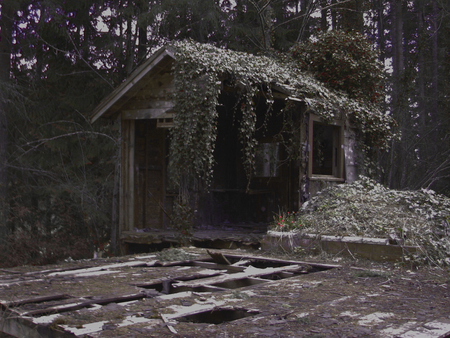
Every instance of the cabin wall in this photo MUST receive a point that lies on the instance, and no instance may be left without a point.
(353, 156)
(147, 195)
(274, 186)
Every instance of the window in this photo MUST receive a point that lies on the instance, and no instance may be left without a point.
(266, 160)
(325, 155)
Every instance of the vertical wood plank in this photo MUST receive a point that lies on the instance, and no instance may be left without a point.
(130, 188)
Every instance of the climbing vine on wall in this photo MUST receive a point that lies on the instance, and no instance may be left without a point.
(199, 70)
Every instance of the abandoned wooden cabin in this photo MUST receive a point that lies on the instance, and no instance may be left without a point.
(145, 108)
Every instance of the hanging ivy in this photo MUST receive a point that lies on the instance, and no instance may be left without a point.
(199, 70)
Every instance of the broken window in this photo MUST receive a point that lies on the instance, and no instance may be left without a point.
(325, 156)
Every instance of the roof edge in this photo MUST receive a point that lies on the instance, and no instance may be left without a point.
(134, 77)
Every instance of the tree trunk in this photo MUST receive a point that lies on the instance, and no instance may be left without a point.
(333, 15)
(397, 156)
(5, 68)
(143, 7)
(380, 23)
(435, 63)
(323, 16)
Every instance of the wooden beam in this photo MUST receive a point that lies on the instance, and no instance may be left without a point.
(145, 114)
(147, 104)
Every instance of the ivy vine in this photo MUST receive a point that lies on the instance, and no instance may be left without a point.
(199, 70)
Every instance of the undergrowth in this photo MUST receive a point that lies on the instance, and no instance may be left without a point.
(23, 248)
(174, 254)
(366, 208)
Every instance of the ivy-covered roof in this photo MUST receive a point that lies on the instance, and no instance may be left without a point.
(280, 70)
(249, 70)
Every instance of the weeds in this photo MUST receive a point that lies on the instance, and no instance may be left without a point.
(286, 221)
(174, 254)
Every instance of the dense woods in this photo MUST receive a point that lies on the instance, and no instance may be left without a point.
(59, 58)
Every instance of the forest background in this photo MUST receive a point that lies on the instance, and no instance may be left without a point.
(59, 58)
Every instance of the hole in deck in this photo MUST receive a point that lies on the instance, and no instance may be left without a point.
(224, 244)
(167, 288)
(239, 264)
(217, 316)
(239, 283)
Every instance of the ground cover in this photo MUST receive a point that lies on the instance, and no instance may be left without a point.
(366, 208)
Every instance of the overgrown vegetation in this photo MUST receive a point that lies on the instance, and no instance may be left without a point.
(202, 67)
(37, 248)
(174, 254)
(347, 61)
(366, 208)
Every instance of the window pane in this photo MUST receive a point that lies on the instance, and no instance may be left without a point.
(322, 161)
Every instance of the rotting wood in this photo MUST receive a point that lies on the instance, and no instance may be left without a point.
(218, 257)
(249, 272)
(273, 260)
(148, 104)
(9, 271)
(168, 323)
(211, 265)
(242, 263)
(78, 306)
(131, 264)
(40, 272)
(35, 300)
(144, 114)
(200, 274)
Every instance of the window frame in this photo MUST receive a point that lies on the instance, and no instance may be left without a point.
(338, 149)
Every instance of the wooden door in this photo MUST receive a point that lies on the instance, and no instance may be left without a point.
(149, 175)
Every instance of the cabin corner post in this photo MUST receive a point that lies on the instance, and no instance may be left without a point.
(115, 212)
(126, 198)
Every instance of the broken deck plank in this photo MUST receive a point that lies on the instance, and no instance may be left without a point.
(81, 305)
(35, 300)
(249, 272)
(282, 261)
(218, 257)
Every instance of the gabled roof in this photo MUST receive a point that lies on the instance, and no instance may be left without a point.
(111, 104)
(280, 73)
(252, 69)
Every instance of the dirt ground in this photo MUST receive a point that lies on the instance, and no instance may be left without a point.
(355, 299)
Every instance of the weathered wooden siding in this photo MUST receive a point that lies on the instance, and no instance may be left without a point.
(127, 176)
(153, 100)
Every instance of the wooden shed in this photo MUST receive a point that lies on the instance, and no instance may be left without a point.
(145, 109)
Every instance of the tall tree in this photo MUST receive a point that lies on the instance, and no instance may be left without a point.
(6, 24)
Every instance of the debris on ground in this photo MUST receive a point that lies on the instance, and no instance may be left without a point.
(254, 295)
